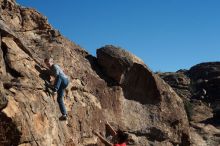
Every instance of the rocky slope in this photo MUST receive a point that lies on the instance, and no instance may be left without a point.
(116, 87)
(199, 88)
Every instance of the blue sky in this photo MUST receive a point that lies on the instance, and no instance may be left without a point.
(167, 35)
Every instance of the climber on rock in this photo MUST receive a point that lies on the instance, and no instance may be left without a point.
(61, 82)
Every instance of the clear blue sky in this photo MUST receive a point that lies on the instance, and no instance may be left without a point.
(166, 34)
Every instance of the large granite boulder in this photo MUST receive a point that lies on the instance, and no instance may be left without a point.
(136, 80)
(116, 61)
(141, 85)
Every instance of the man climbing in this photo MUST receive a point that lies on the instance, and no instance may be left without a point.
(61, 82)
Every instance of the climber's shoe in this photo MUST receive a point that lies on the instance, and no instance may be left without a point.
(63, 118)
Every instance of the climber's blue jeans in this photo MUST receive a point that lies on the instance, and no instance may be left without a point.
(60, 84)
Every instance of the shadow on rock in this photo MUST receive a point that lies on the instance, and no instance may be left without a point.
(140, 85)
(44, 73)
(215, 120)
(3, 101)
(9, 134)
(96, 67)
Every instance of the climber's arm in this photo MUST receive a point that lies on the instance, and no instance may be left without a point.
(112, 131)
(103, 139)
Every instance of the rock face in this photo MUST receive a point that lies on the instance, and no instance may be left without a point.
(146, 93)
(179, 81)
(130, 73)
(116, 62)
(198, 87)
(116, 87)
(206, 76)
